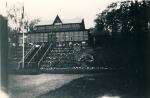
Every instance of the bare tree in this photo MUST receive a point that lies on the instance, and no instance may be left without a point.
(18, 22)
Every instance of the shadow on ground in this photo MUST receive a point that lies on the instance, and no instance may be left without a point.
(99, 85)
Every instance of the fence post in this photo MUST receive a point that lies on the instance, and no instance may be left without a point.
(3, 54)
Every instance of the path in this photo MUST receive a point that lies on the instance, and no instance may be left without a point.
(29, 86)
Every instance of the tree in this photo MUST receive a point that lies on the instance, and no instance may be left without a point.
(122, 18)
(32, 23)
(18, 22)
(131, 22)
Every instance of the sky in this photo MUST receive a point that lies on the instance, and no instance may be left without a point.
(66, 9)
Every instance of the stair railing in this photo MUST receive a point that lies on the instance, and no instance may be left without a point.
(33, 58)
(30, 51)
(26, 56)
(44, 55)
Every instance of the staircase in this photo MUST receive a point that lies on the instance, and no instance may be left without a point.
(34, 56)
(58, 58)
(15, 55)
(49, 57)
(30, 55)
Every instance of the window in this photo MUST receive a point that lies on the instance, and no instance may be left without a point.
(76, 26)
(45, 37)
(41, 28)
(66, 26)
(48, 27)
(76, 33)
(81, 33)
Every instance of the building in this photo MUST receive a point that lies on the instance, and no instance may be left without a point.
(54, 45)
(58, 32)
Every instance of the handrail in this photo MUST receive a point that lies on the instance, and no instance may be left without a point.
(44, 55)
(29, 51)
(35, 53)
(26, 55)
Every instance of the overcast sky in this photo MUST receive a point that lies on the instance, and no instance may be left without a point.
(66, 9)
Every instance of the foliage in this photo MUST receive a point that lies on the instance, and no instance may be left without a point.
(128, 23)
(32, 24)
(125, 18)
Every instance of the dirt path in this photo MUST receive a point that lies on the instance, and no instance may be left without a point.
(29, 86)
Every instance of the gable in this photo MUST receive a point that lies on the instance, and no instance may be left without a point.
(57, 20)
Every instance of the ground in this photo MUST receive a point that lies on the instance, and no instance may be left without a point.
(96, 86)
(29, 86)
(74, 86)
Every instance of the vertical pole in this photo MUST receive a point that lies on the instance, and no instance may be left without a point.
(23, 51)
(23, 35)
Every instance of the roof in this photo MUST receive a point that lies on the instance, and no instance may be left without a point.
(64, 21)
(60, 25)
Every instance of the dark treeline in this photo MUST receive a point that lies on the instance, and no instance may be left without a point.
(125, 18)
(126, 26)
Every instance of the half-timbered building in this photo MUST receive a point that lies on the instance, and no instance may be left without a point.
(58, 32)
(54, 45)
